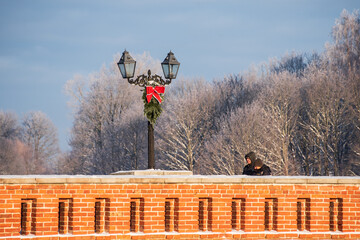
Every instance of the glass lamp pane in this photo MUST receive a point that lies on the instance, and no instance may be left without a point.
(122, 70)
(174, 69)
(130, 69)
(165, 68)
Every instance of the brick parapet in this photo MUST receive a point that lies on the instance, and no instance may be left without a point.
(172, 179)
(189, 207)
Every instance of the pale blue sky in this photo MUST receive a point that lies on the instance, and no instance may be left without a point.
(44, 43)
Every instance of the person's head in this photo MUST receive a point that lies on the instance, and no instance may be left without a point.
(258, 163)
(250, 157)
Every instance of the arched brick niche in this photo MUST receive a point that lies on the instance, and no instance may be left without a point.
(179, 207)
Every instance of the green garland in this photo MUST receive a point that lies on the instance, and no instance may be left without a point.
(153, 109)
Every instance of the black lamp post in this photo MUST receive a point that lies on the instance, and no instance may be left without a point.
(154, 86)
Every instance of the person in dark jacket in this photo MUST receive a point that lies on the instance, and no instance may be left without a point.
(260, 168)
(249, 168)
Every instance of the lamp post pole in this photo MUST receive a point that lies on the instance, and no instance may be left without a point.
(154, 88)
(151, 146)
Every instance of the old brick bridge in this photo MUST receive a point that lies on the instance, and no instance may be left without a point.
(168, 206)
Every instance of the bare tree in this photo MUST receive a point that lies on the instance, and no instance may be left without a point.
(40, 134)
(235, 91)
(133, 133)
(344, 52)
(240, 132)
(281, 103)
(294, 63)
(106, 111)
(9, 127)
(98, 115)
(328, 121)
(344, 56)
(185, 123)
(14, 154)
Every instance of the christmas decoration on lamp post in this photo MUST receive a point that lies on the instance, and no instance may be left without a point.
(154, 89)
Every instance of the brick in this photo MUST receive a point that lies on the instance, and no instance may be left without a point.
(84, 192)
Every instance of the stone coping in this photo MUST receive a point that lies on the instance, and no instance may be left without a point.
(153, 172)
(172, 179)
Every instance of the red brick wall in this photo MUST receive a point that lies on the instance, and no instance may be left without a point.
(187, 207)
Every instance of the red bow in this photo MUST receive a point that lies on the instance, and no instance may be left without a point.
(154, 91)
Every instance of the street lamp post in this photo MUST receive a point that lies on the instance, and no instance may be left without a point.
(154, 88)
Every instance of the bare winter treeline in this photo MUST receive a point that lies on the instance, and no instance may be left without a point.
(29, 147)
(300, 114)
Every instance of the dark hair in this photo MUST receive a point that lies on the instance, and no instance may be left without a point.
(251, 155)
(258, 163)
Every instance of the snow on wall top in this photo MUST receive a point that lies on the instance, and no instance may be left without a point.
(169, 178)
